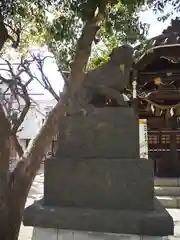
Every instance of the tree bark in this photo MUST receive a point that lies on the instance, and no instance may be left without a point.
(14, 187)
(4, 169)
(4, 33)
(17, 145)
(83, 52)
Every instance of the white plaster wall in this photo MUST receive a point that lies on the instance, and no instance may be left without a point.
(34, 119)
(31, 124)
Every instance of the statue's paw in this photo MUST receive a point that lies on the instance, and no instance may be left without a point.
(84, 112)
(88, 109)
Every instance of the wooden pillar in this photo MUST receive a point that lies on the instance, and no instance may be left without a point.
(174, 158)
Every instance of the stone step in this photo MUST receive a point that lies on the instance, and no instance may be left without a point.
(167, 191)
(168, 182)
(169, 201)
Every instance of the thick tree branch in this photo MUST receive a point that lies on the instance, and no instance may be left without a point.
(5, 132)
(83, 51)
(17, 122)
(20, 119)
(17, 145)
(4, 167)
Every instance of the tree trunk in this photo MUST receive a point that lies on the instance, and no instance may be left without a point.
(20, 180)
(4, 170)
(15, 198)
(16, 145)
(4, 33)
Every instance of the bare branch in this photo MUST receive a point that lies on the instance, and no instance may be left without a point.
(5, 132)
(17, 145)
(44, 82)
(16, 32)
(20, 119)
(16, 90)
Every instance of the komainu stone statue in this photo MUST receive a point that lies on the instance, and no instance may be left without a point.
(97, 182)
(108, 80)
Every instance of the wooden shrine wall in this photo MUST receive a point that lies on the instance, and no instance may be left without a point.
(160, 138)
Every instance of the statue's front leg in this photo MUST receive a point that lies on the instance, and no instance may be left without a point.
(114, 94)
(81, 102)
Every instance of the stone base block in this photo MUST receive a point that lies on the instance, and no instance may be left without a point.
(59, 234)
(108, 132)
(152, 223)
(99, 183)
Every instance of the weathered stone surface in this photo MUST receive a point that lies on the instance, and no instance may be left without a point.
(152, 223)
(99, 81)
(108, 132)
(99, 183)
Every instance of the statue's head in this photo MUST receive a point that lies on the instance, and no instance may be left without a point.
(122, 54)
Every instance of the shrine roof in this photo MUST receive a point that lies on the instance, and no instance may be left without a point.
(165, 44)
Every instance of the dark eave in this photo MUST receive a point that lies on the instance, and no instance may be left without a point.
(169, 51)
(166, 44)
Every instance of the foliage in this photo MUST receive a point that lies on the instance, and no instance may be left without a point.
(24, 21)
(120, 24)
(58, 24)
(123, 28)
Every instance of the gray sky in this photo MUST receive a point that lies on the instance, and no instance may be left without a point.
(156, 27)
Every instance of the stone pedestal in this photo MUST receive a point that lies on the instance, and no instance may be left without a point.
(107, 133)
(97, 182)
(59, 234)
